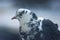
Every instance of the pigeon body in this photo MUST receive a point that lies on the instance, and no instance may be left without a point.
(30, 24)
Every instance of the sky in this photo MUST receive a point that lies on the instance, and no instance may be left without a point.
(48, 9)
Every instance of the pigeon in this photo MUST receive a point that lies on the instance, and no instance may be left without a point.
(30, 23)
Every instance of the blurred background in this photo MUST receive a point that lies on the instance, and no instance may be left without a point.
(48, 9)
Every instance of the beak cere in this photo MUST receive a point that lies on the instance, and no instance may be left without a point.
(13, 18)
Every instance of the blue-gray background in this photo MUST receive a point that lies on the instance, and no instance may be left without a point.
(49, 9)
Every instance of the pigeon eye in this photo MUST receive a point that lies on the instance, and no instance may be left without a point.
(20, 14)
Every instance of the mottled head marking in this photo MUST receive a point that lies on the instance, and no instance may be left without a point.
(21, 13)
(34, 16)
(31, 19)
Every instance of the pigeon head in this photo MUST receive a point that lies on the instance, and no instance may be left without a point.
(21, 14)
(24, 14)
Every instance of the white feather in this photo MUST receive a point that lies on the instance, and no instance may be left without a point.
(40, 18)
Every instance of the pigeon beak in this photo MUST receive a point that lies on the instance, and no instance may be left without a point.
(13, 18)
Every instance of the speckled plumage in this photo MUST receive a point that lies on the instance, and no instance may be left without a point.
(30, 24)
